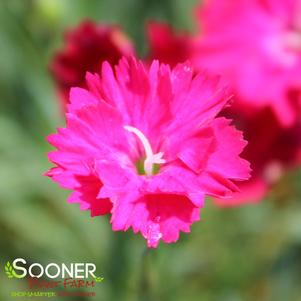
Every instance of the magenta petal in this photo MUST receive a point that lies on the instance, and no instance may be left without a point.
(225, 159)
(156, 216)
(251, 192)
(195, 151)
(255, 46)
(79, 98)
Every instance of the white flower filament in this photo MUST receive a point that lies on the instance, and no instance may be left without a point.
(151, 158)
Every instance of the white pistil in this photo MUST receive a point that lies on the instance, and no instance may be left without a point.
(151, 158)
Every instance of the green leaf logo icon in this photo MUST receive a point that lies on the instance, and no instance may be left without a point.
(98, 279)
(9, 270)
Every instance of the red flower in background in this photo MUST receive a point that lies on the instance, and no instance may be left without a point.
(166, 45)
(86, 47)
(271, 149)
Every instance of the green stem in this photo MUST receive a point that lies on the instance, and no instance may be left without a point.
(118, 266)
(147, 279)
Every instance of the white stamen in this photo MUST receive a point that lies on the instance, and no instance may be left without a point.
(151, 158)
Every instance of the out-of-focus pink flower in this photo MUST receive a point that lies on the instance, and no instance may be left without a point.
(166, 45)
(144, 144)
(271, 150)
(256, 46)
(86, 47)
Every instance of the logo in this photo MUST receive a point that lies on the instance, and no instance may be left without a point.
(10, 272)
(53, 276)
(18, 269)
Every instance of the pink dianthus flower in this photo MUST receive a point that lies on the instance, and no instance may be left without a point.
(256, 46)
(144, 145)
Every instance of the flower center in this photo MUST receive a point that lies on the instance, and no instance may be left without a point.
(151, 159)
(293, 40)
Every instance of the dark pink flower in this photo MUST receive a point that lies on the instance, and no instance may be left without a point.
(144, 144)
(166, 45)
(271, 150)
(86, 47)
(256, 46)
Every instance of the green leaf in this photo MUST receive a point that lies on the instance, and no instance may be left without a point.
(99, 279)
(9, 270)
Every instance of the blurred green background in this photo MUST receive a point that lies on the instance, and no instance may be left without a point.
(238, 254)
